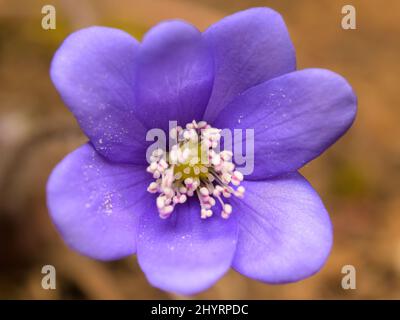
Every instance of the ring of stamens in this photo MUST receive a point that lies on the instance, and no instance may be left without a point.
(194, 166)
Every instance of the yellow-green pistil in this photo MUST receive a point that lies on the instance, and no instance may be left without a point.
(194, 167)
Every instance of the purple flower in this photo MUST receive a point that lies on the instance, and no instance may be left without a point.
(238, 74)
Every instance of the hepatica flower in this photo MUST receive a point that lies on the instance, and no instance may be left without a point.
(189, 221)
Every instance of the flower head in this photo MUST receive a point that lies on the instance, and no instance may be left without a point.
(189, 213)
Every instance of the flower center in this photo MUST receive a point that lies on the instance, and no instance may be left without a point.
(194, 167)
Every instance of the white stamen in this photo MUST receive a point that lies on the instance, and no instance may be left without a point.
(183, 172)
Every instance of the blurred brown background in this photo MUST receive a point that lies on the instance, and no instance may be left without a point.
(358, 179)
